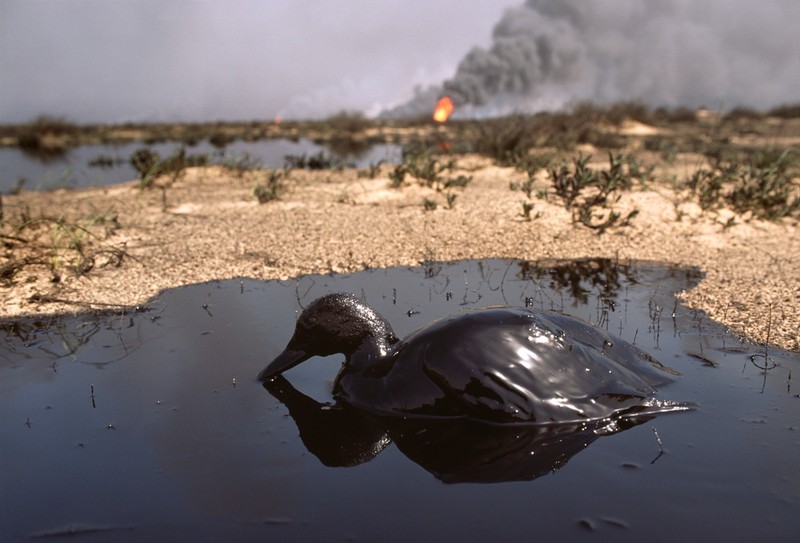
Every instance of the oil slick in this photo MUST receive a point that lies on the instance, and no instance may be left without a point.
(188, 463)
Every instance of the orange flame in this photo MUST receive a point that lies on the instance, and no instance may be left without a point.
(444, 108)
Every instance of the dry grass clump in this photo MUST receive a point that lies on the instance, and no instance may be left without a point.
(56, 243)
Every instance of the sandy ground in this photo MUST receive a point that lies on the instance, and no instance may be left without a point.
(212, 227)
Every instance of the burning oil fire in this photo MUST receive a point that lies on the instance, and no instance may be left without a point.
(444, 108)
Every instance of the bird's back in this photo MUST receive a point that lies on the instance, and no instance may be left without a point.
(507, 365)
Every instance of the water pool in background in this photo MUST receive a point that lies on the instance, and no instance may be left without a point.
(72, 168)
(149, 423)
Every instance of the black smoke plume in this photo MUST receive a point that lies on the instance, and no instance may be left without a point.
(547, 54)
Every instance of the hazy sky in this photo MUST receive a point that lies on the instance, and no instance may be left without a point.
(195, 60)
(118, 60)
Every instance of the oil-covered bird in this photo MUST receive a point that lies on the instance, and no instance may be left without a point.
(501, 365)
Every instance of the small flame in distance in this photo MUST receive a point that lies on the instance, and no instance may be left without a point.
(444, 108)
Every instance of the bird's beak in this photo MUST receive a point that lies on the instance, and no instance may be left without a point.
(288, 359)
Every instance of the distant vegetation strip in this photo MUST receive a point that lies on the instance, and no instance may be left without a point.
(579, 124)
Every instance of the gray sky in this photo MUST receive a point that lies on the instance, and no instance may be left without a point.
(199, 60)
(119, 60)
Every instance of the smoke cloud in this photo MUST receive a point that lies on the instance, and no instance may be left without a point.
(204, 60)
(547, 54)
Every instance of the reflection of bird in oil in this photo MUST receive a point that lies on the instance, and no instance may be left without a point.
(453, 450)
(499, 365)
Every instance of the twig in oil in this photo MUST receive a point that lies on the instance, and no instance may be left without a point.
(769, 331)
(39, 298)
(660, 446)
(301, 297)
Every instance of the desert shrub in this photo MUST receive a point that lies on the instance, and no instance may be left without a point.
(271, 188)
(586, 113)
(460, 181)
(760, 184)
(347, 145)
(317, 161)
(397, 176)
(679, 114)
(35, 138)
(619, 112)
(149, 165)
(603, 139)
(506, 140)
(29, 141)
(104, 162)
(220, 139)
(347, 121)
(764, 187)
(145, 161)
(707, 185)
(241, 163)
(742, 112)
(590, 194)
(527, 208)
(423, 164)
(786, 111)
(372, 171)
